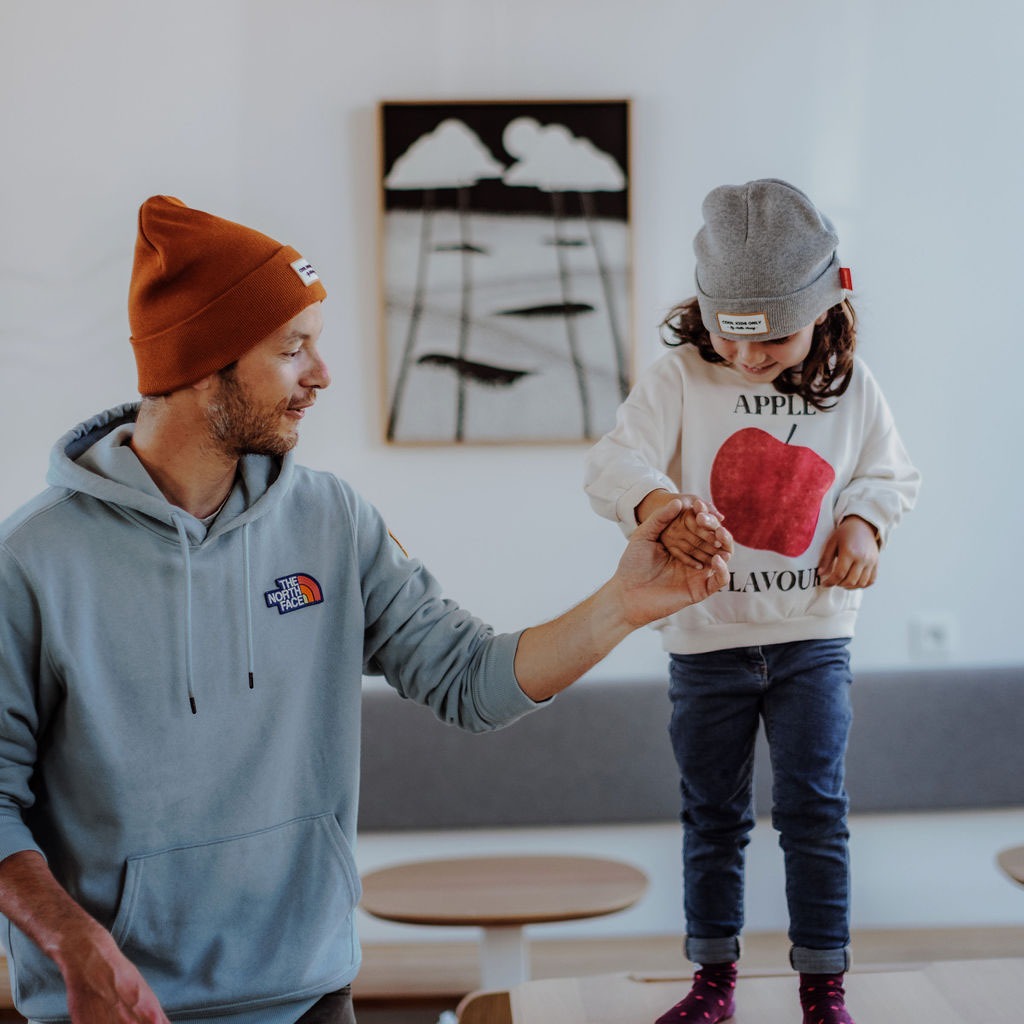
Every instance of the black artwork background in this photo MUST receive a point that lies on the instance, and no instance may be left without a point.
(603, 122)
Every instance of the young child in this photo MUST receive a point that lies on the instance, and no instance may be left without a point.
(762, 417)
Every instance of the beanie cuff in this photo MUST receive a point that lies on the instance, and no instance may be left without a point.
(769, 318)
(226, 328)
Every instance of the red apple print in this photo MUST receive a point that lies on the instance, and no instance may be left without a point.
(769, 491)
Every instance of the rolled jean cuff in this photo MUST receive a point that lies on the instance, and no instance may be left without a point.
(713, 951)
(820, 961)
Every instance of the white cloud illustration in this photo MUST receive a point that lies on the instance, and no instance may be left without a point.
(451, 156)
(552, 159)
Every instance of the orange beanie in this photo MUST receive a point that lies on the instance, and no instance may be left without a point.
(204, 291)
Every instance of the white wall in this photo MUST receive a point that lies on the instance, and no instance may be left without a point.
(899, 118)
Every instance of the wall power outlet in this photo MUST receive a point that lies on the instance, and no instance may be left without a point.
(932, 636)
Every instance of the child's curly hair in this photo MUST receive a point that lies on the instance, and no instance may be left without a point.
(822, 377)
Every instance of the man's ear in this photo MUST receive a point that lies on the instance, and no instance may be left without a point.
(205, 384)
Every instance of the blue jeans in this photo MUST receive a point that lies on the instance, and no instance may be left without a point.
(802, 692)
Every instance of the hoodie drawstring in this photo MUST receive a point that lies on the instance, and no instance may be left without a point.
(248, 603)
(249, 635)
(186, 554)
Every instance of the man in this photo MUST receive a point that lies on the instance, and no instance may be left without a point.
(187, 614)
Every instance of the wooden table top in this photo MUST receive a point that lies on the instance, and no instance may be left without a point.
(1012, 862)
(954, 992)
(493, 891)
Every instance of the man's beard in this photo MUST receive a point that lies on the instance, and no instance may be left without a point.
(238, 427)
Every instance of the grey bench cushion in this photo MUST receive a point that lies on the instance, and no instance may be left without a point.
(927, 739)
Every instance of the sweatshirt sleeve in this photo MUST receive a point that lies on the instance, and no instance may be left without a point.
(428, 648)
(20, 657)
(635, 457)
(885, 483)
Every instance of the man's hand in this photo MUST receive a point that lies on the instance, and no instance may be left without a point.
(655, 581)
(648, 584)
(104, 987)
(850, 556)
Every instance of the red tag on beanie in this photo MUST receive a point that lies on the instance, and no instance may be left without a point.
(845, 279)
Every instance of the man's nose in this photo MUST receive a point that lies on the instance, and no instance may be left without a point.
(319, 376)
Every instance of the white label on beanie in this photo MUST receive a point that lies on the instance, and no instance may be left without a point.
(305, 271)
(743, 323)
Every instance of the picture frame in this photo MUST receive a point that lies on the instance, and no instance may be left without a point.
(506, 262)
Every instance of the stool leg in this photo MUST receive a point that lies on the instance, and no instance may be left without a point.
(504, 960)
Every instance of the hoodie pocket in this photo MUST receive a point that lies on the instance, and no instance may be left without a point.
(245, 920)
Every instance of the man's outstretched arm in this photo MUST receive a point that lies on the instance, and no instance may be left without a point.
(649, 584)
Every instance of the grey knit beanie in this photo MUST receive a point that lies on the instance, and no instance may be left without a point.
(766, 261)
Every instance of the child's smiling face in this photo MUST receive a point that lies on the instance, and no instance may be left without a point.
(760, 362)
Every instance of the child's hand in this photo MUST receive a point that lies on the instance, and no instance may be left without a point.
(696, 535)
(850, 557)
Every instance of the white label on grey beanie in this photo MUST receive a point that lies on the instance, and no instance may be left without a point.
(305, 270)
(743, 323)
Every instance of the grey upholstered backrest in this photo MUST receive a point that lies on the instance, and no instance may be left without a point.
(923, 739)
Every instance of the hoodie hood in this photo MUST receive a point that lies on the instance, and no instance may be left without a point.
(95, 458)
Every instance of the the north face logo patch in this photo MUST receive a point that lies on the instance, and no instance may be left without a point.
(293, 593)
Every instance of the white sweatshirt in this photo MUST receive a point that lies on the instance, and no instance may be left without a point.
(782, 474)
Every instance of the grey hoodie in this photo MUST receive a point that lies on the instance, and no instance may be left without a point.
(180, 717)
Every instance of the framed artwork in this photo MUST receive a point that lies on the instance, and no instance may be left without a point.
(506, 262)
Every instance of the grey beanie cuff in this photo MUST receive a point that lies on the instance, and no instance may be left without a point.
(766, 261)
(766, 318)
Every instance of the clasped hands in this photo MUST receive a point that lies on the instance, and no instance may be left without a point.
(849, 558)
(696, 534)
